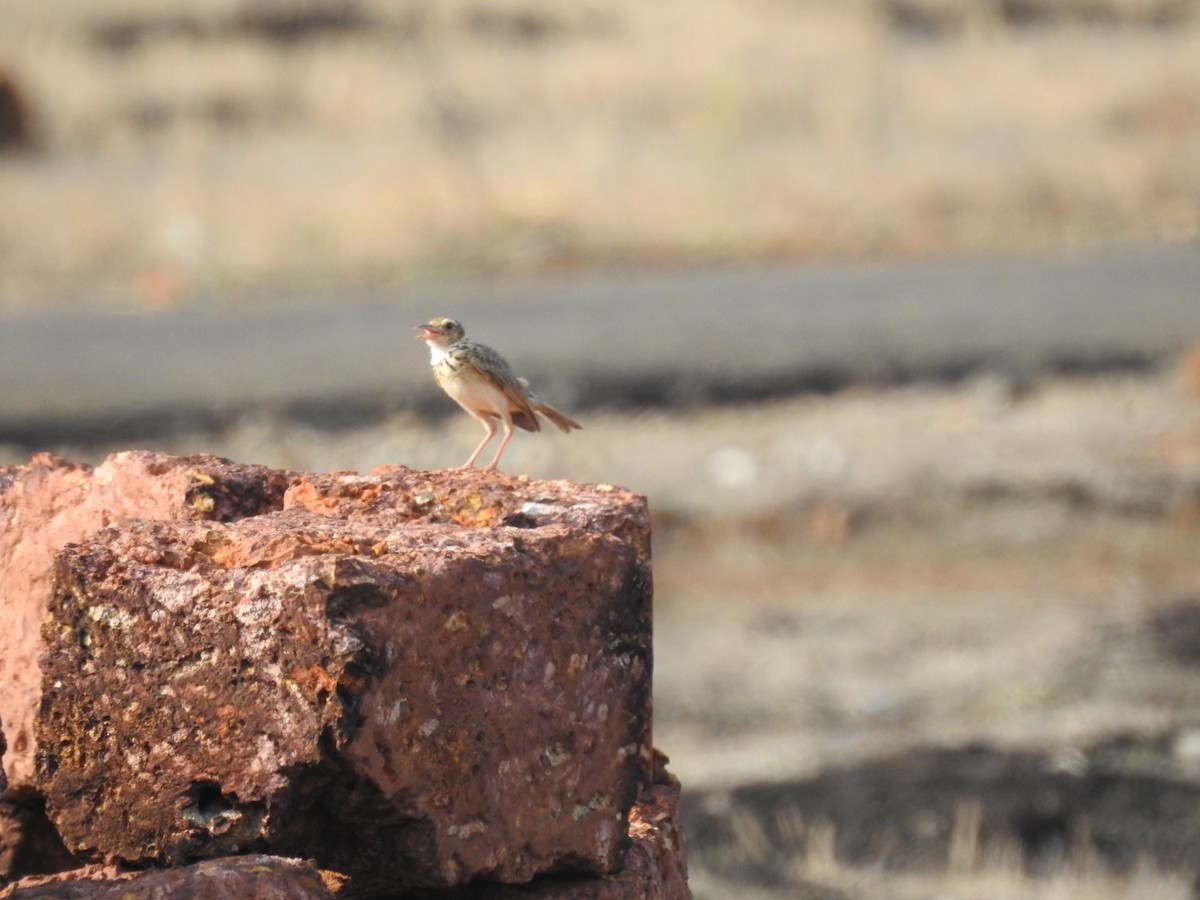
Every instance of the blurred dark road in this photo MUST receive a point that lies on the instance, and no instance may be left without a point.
(621, 337)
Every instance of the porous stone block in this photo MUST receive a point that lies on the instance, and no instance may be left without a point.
(655, 868)
(414, 703)
(233, 878)
(50, 502)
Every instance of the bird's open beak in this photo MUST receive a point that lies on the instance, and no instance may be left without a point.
(425, 332)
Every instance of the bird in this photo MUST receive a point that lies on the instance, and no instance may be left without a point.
(481, 381)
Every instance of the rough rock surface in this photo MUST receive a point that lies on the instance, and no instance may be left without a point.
(28, 842)
(51, 502)
(474, 498)
(232, 878)
(655, 868)
(656, 865)
(410, 701)
(29, 845)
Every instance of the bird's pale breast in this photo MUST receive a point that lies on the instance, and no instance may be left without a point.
(470, 388)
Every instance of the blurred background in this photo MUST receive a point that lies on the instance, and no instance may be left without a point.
(890, 307)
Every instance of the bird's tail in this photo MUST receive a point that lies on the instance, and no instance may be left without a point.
(562, 420)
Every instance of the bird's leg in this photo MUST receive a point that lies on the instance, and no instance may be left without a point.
(490, 425)
(508, 433)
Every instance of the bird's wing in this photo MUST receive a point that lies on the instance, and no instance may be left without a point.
(491, 364)
(496, 369)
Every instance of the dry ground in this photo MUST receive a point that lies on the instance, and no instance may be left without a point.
(183, 147)
(851, 578)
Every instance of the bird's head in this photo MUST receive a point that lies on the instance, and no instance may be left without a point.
(440, 331)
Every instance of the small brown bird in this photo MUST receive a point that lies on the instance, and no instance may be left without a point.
(482, 382)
